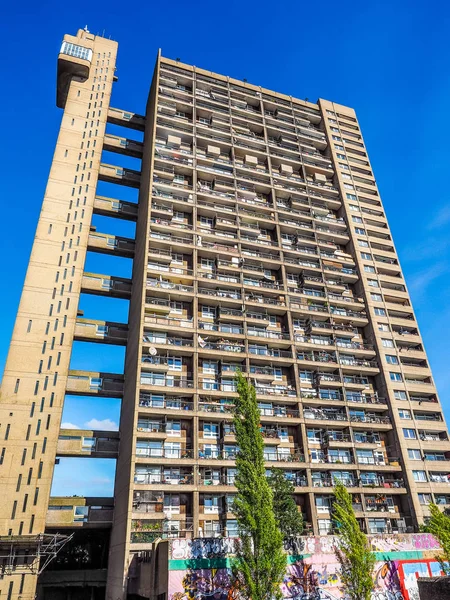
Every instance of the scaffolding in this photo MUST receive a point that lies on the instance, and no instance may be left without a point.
(29, 554)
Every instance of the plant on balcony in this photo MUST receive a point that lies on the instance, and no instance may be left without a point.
(352, 549)
(289, 519)
(439, 526)
(260, 562)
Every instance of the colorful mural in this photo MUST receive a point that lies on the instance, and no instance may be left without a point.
(199, 569)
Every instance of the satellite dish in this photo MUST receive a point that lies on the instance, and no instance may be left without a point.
(152, 351)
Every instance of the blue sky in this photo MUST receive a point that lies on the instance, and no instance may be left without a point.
(389, 60)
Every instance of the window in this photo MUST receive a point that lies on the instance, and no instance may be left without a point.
(210, 367)
(88, 443)
(366, 256)
(369, 269)
(81, 514)
(363, 243)
(387, 343)
(211, 504)
(76, 51)
(400, 395)
(414, 454)
(354, 207)
(383, 327)
(175, 364)
(360, 231)
(209, 312)
(376, 297)
(210, 430)
(424, 498)
(409, 434)
(391, 359)
(380, 312)
(176, 307)
(419, 476)
(373, 283)
(351, 196)
(324, 526)
(404, 414)
(395, 376)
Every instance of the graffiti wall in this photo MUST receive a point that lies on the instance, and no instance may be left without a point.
(200, 570)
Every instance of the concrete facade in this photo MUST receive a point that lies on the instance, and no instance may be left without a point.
(261, 244)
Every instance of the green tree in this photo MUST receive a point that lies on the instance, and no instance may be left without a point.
(439, 526)
(289, 519)
(352, 550)
(260, 562)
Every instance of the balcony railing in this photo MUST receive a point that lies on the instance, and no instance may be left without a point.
(284, 456)
(370, 419)
(169, 382)
(171, 341)
(151, 479)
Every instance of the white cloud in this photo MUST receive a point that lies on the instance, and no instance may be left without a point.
(419, 281)
(68, 425)
(440, 219)
(427, 249)
(105, 424)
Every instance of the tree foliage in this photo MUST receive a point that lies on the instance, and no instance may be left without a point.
(287, 515)
(260, 564)
(352, 550)
(439, 526)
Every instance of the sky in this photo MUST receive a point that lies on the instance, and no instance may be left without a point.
(387, 59)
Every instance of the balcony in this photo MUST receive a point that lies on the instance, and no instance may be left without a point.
(373, 419)
(285, 455)
(275, 390)
(262, 351)
(78, 512)
(105, 332)
(167, 382)
(89, 383)
(170, 340)
(183, 477)
(165, 284)
(106, 285)
(164, 453)
(215, 407)
(167, 403)
(168, 322)
(318, 414)
(88, 443)
(161, 529)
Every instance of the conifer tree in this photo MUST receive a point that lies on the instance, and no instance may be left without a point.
(352, 548)
(261, 562)
(439, 526)
(287, 515)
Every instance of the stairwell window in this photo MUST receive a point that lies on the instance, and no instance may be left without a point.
(391, 359)
(395, 376)
(409, 434)
(419, 476)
